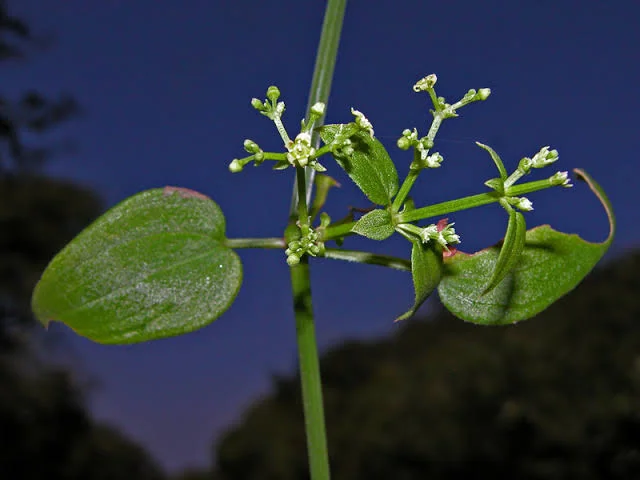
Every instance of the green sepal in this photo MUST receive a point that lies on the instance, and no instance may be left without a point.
(496, 159)
(426, 271)
(369, 166)
(376, 225)
(512, 247)
(155, 265)
(550, 265)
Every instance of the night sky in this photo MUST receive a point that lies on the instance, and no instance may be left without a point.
(166, 85)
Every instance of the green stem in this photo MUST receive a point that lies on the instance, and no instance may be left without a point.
(438, 209)
(300, 277)
(368, 258)
(303, 210)
(310, 372)
(448, 207)
(322, 77)
(412, 176)
(255, 243)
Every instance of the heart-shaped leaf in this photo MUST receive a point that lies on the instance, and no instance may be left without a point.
(426, 270)
(153, 266)
(375, 225)
(370, 166)
(511, 248)
(551, 264)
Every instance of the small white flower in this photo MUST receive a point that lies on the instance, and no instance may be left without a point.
(444, 237)
(521, 203)
(428, 233)
(425, 83)
(561, 179)
(300, 150)
(544, 157)
(362, 121)
(433, 161)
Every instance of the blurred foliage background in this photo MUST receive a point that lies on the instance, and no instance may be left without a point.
(557, 397)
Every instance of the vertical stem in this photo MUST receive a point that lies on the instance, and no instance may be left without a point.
(300, 275)
(322, 76)
(310, 372)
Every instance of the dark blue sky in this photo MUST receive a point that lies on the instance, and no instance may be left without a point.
(166, 87)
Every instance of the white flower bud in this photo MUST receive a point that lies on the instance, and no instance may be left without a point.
(362, 122)
(561, 179)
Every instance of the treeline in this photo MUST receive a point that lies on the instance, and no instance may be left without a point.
(46, 431)
(556, 397)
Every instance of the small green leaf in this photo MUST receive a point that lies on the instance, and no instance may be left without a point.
(496, 184)
(512, 247)
(153, 266)
(496, 159)
(370, 166)
(376, 225)
(426, 270)
(551, 264)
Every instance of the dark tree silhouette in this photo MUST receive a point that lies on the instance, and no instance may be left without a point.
(38, 215)
(556, 397)
(32, 113)
(46, 431)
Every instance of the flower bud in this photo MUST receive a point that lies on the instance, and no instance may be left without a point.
(293, 260)
(318, 108)
(544, 157)
(561, 179)
(251, 146)
(235, 166)
(273, 93)
(425, 83)
(257, 104)
(483, 93)
(404, 143)
(521, 203)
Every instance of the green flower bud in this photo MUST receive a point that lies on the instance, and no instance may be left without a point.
(318, 109)
(483, 93)
(251, 146)
(293, 260)
(273, 93)
(426, 143)
(235, 166)
(404, 143)
(257, 104)
(525, 165)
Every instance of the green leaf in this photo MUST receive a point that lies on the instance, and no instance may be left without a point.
(370, 166)
(376, 225)
(153, 266)
(426, 270)
(551, 264)
(496, 159)
(512, 247)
